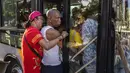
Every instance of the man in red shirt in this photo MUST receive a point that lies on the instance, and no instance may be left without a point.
(31, 62)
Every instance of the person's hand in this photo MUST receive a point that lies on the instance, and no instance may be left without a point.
(70, 45)
(64, 34)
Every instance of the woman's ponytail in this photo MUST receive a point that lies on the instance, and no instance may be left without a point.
(27, 24)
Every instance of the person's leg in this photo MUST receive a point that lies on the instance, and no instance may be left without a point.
(46, 69)
(91, 68)
(88, 55)
(59, 69)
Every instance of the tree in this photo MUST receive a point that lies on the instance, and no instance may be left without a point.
(91, 9)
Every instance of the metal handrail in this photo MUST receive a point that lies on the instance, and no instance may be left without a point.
(71, 59)
(18, 36)
(85, 65)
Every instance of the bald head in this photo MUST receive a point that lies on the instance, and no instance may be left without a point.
(52, 12)
(53, 17)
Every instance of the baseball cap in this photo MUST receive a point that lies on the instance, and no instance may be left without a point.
(34, 14)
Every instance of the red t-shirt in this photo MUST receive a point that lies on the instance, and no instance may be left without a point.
(31, 63)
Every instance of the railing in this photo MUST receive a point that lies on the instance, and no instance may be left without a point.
(120, 49)
(86, 65)
(83, 48)
(72, 59)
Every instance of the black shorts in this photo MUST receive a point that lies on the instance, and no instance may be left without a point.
(52, 69)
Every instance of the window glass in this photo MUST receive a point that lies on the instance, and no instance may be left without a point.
(15, 13)
(24, 9)
(9, 12)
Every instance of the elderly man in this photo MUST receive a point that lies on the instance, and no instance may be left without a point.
(51, 59)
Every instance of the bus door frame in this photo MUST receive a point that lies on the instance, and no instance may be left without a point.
(105, 45)
(65, 49)
(37, 5)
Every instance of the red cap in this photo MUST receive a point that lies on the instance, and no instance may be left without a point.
(34, 14)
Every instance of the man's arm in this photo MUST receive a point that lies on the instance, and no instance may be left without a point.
(52, 34)
(49, 44)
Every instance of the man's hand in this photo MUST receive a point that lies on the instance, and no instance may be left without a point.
(64, 34)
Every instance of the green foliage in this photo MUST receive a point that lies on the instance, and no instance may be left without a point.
(9, 8)
(91, 9)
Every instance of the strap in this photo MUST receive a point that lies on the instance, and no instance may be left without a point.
(32, 48)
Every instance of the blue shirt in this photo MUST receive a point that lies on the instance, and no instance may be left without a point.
(89, 32)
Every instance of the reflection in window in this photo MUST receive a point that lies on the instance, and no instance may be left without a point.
(24, 9)
(9, 12)
(14, 14)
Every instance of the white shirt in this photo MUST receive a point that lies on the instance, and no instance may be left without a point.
(50, 57)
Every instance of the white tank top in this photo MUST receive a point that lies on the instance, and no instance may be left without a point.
(50, 57)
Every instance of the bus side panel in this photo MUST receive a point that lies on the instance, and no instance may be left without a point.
(6, 50)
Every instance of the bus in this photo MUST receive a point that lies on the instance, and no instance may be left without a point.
(113, 18)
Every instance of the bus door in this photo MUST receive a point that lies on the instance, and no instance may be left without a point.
(106, 39)
(83, 24)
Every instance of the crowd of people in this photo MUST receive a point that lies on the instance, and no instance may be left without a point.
(41, 45)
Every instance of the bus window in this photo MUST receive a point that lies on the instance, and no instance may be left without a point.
(9, 19)
(24, 9)
(9, 12)
(15, 13)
